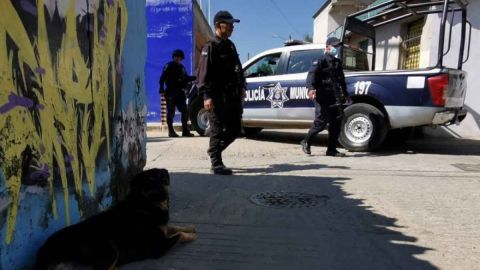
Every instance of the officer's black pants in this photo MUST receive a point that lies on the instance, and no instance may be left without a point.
(177, 100)
(325, 114)
(225, 126)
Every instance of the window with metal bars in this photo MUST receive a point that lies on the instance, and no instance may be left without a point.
(410, 45)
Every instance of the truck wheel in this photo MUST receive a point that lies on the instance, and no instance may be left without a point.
(363, 128)
(198, 116)
(251, 131)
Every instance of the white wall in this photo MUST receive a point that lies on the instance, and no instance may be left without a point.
(321, 25)
(329, 20)
(388, 47)
(471, 126)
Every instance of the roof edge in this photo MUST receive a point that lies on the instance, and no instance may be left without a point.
(322, 8)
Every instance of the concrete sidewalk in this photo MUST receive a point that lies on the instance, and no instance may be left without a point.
(408, 207)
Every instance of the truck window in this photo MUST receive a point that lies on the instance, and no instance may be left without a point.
(301, 61)
(264, 66)
(357, 52)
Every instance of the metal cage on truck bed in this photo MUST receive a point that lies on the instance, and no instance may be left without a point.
(394, 10)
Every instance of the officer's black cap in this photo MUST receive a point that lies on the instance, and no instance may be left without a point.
(178, 53)
(333, 41)
(225, 17)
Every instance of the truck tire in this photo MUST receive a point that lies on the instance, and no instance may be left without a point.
(198, 116)
(363, 128)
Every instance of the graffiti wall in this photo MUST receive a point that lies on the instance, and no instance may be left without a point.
(72, 114)
(170, 27)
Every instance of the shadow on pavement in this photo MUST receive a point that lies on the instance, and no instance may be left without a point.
(157, 139)
(440, 146)
(275, 168)
(234, 233)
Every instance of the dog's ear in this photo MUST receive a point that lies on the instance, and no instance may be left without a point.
(149, 179)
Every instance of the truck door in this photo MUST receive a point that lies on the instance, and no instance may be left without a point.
(261, 75)
(298, 106)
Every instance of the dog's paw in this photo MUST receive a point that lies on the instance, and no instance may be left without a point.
(187, 237)
(189, 229)
(175, 229)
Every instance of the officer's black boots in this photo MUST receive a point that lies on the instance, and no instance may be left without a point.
(305, 147)
(185, 131)
(221, 170)
(335, 153)
(172, 134)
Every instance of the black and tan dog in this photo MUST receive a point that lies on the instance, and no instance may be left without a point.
(134, 229)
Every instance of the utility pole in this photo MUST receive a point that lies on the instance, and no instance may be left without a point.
(209, 19)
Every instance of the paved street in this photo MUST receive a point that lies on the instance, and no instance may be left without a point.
(414, 206)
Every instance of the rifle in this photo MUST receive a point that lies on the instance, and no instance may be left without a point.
(338, 90)
(240, 84)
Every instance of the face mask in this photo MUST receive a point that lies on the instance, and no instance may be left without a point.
(333, 51)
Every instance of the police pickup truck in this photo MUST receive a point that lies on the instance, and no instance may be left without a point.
(276, 96)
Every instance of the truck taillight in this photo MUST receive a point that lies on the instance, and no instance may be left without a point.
(438, 87)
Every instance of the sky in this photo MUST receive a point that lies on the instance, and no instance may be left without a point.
(265, 24)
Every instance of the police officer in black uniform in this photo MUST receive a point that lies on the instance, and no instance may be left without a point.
(175, 77)
(221, 82)
(326, 86)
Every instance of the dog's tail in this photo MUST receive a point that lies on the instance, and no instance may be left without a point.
(114, 264)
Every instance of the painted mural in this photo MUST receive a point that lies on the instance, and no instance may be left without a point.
(72, 114)
(170, 27)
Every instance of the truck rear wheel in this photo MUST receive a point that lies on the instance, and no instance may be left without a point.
(364, 128)
(198, 116)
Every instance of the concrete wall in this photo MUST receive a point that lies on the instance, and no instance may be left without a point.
(72, 114)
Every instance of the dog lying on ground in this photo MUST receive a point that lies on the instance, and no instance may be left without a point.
(134, 229)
